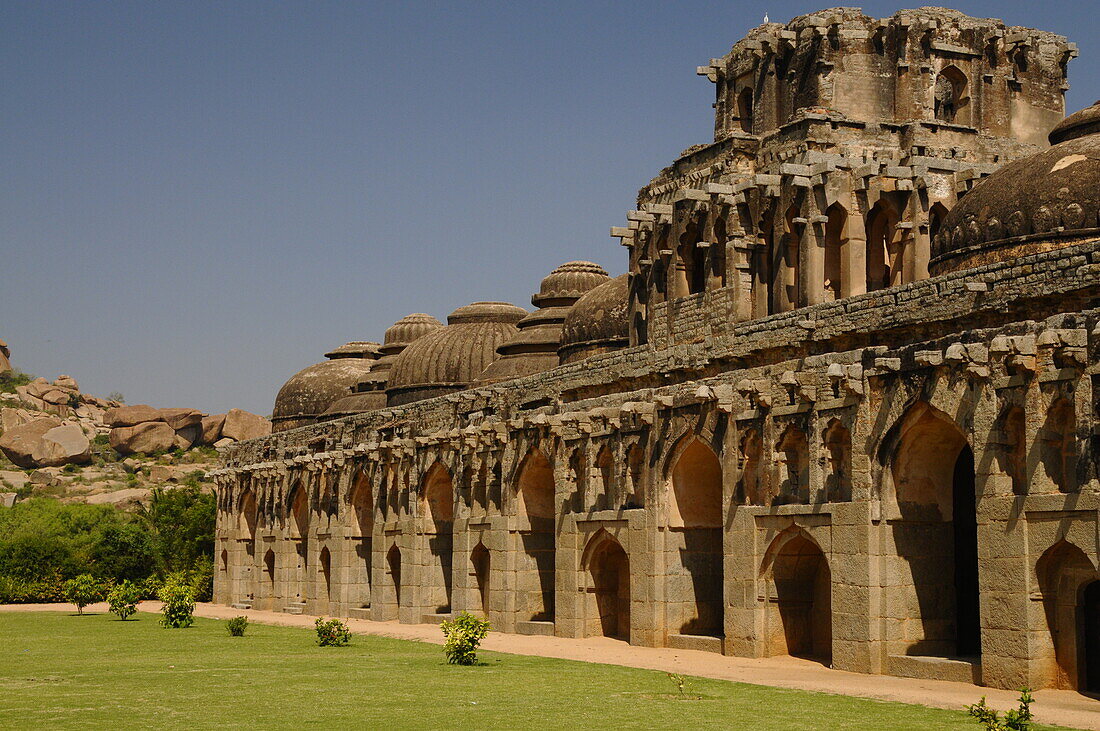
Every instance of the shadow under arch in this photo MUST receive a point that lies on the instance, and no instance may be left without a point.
(798, 614)
(930, 505)
(1065, 575)
(437, 526)
(694, 538)
(606, 569)
(535, 520)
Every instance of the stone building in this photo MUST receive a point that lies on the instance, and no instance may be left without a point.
(840, 406)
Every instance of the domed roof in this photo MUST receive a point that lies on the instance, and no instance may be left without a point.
(598, 322)
(356, 403)
(408, 329)
(569, 282)
(311, 391)
(1045, 201)
(534, 348)
(451, 358)
(355, 349)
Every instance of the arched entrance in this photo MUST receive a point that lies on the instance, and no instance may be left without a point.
(362, 538)
(393, 564)
(935, 533)
(535, 513)
(694, 542)
(607, 606)
(326, 581)
(437, 510)
(269, 576)
(798, 617)
(298, 533)
(479, 560)
(1065, 574)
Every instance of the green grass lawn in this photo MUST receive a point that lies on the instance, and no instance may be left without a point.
(62, 671)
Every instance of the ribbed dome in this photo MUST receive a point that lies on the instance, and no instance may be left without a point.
(355, 349)
(312, 390)
(1043, 202)
(534, 348)
(451, 358)
(408, 329)
(569, 282)
(598, 322)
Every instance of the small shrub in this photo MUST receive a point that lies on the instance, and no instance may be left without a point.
(82, 591)
(14, 590)
(1017, 720)
(237, 626)
(332, 632)
(179, 603)
(123, 599)
(679, 681)
(464, 635)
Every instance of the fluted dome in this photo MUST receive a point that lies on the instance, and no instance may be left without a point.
(408, 329)
(569, 282)
(310, 392)
(1043, 202)
(534, 348)
(598, 322)
(369, 394)
(451, 358)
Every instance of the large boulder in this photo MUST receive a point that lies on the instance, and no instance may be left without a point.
(188, 436)
(11, 418)
(181, 418)
(67, 382)
(65, 444)
(131, 415)
(147, 437)
(242, 425)
(22, 444)
(212, 428)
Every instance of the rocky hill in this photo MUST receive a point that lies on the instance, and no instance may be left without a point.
(56, 440)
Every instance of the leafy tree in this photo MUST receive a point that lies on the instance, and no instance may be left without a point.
(179, 603)
(82, 591)
(123, 599)
(180, 523)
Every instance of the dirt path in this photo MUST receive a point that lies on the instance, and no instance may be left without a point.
(1060, 707)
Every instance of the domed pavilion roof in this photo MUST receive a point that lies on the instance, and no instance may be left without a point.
(1042, 202)
(311, 391)
(598, 322)
(534, 348)
(451, 358)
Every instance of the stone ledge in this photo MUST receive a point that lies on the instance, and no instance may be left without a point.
(704, 643)
(935, 668)
(535, 628)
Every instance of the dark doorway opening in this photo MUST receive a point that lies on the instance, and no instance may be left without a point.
(968, 624)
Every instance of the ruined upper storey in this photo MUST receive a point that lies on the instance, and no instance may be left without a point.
(930, 64)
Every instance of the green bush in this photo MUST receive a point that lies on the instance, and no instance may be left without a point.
(82, 591)
(332, 632)
(1015, 720)
(179, 603)
(237, 626)
(14, 590)
(123, 599)
(464, 635)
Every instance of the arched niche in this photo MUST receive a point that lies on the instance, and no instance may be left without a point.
(798, 619)
(535, 569)
(606, 569)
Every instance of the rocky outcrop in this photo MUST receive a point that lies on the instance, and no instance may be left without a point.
(151, 436)
(46, 442)
(241, 425)
(40, 406)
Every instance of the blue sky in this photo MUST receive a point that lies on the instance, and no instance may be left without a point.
(199, 199)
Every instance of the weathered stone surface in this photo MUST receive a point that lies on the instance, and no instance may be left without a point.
(11, 418)
(66, 444)
(131, 415)
(188, 436)
(180, 418)
(23, 444)
(147, 437)
(212, 428)
(127, 495)
(241, 425)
